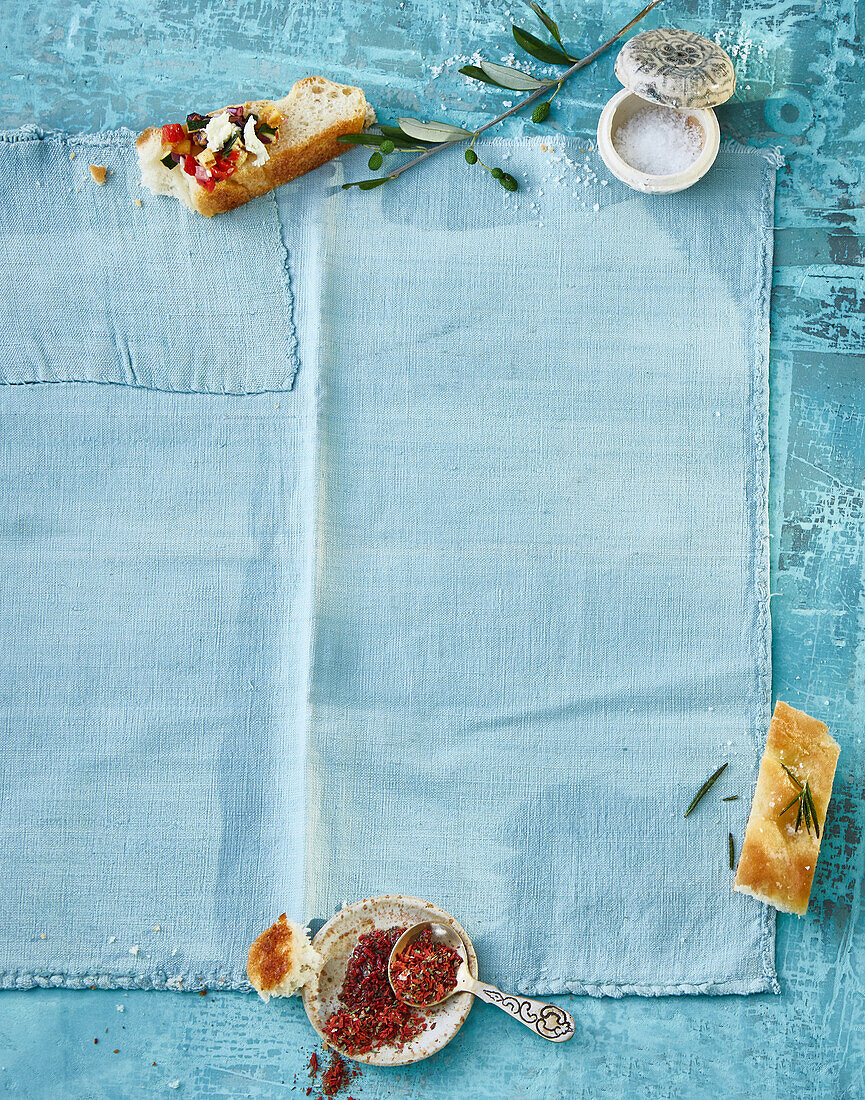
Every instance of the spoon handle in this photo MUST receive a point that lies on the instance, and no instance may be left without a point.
(548, 1021)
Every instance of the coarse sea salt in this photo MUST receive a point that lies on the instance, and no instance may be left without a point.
(659, 141)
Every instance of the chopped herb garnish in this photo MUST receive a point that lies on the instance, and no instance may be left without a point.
(232, 141)
(810, 800)
(732, 850)
(807, 811)
(793, 777)
(707, 786)
(731, 798)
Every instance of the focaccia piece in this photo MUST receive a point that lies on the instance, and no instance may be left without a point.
(777, 862)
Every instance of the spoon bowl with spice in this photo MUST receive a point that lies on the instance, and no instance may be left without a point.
(428, 964)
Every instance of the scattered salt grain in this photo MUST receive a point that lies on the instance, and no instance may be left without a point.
(112, 939)
(659, 141)
(134, 949)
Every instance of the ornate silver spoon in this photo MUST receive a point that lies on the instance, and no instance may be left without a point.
(548, 1021)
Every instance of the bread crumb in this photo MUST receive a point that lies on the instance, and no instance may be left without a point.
(72, 156)
(134, 949)
(42, 936)
(98, 172)
(138, 203)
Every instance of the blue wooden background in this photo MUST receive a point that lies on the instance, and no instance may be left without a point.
(103, 63)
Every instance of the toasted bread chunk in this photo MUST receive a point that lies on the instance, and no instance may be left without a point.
(282, 960)
(314, 114)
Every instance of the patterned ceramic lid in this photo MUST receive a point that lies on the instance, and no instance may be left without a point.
(676, 68)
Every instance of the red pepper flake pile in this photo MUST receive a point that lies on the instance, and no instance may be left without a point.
(334, 1079)
(426, 971)
(372, 1017)
(336, 1076)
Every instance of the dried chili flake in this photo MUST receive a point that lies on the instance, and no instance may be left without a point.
(336, 1076)
(371, 1016)
(313, 1064)
(426, 971)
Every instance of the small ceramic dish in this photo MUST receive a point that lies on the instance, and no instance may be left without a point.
(623, 106)
(678, 70)
(335, 942)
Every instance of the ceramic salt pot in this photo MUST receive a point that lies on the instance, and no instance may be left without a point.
(660, 134)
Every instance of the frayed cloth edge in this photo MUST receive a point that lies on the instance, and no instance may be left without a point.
(218, 983)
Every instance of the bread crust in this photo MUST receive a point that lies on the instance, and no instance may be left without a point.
(286, 161)
(777, 863)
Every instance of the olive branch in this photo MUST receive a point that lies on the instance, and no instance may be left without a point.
(426, 138)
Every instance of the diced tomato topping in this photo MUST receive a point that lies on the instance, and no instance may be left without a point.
(172, 133)
(224, 167)
(189, 165)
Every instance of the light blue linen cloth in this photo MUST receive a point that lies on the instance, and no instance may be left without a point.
(154, 593)
(542, 605)
(528, 437)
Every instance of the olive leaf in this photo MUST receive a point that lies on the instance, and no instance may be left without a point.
(437, 132)
(375, 140)
(547, 22)
(543, 51)
(367, 185)
(514, 79)
(478, 74)
(395, 134)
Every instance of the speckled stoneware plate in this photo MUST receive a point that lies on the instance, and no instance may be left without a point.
(336, 940)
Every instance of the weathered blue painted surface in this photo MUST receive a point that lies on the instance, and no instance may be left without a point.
(110, 62)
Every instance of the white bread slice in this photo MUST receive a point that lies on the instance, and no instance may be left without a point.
(315, 113)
